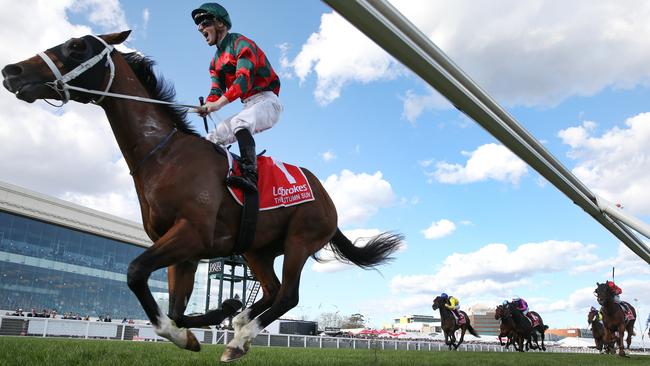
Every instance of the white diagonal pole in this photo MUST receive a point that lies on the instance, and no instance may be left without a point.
(398, 36)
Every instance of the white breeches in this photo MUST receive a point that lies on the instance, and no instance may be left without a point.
(261, 112)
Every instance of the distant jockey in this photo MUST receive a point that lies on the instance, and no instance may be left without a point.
(452, 304)
(520, 304)
(616, 290)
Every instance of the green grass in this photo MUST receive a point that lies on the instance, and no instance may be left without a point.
(51, 352)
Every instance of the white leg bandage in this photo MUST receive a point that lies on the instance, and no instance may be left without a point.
(167, 329)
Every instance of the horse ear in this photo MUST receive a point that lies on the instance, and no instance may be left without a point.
(116, 38)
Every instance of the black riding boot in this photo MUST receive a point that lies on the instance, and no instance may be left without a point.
(247, 164)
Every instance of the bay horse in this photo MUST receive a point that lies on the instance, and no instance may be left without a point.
(598, 332)
(525, 329)
(180, 182)
(450, 325)
(506, 327)
(614, 319)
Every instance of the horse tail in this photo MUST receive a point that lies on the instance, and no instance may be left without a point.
(375, 252)
(472, 330)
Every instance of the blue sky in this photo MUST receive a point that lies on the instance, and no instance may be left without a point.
(391, 152)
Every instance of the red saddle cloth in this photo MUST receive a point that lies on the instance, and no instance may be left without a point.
(461, 319)
(629, 315)
(279, 184)
(534, 320)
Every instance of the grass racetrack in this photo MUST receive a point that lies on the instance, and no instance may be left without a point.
(51, 352)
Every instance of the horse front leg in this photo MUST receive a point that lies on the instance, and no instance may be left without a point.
(619, 339)
(462, 336)
(181, 284)
(176, 246)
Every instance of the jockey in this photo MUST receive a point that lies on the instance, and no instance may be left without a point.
(616, 290)
(599, 314)
(239, 69)
(520, 304)
(452, 304)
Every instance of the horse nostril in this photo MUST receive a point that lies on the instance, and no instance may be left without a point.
(12, 70)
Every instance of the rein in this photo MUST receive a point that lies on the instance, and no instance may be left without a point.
(160, 145)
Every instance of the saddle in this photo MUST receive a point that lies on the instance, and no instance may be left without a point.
(534, 320)
(629, 315)
(460, 317)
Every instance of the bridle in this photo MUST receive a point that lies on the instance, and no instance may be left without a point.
(62, 87)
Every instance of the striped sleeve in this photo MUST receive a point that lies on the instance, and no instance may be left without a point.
(216, 84)
(246, 62)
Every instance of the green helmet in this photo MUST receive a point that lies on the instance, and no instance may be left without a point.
(211, 9)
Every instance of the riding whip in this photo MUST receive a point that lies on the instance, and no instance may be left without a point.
(205, 120)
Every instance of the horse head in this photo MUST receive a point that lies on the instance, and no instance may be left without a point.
(79, 62)
(603, 293)
(438, 302)
(592, 315)
(498, 312)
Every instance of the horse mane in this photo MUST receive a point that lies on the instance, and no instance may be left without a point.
(159, 89)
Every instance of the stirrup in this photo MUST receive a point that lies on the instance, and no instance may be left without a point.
(242, 183)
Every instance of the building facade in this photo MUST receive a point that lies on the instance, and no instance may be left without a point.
(60, 256)
(482, 319)
(416, 323)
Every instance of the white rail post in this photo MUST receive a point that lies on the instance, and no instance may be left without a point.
(45, 328)
(87, 329)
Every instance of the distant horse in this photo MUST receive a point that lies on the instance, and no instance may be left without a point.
(506, 327)
(179, 178)
(450, 325)
(598, 332)
(524, 327)
(614, 319)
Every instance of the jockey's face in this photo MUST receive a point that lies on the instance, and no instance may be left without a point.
(212, 30)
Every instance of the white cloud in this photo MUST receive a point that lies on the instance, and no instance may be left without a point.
(415, 105)
(107, 14)
(494, 269)
(489, 161)
(439, 229)
(635, 292)
(521, 52)
(69, 153)
(145, 18)
(357, 197)
(626, 263)
(359, 237)
(340, 54)
(328, 156)
(616, 164)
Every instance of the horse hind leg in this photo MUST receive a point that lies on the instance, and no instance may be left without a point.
(173, 247)
(286, 299)
(262, 268)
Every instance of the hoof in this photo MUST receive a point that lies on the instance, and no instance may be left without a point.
(233, 354)
(192, 343)
(231, 306)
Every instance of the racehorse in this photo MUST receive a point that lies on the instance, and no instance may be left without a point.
(506, 327)
(614, 319)
(598, 331)
(450, 325)
(524, 327)
(185, 206)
